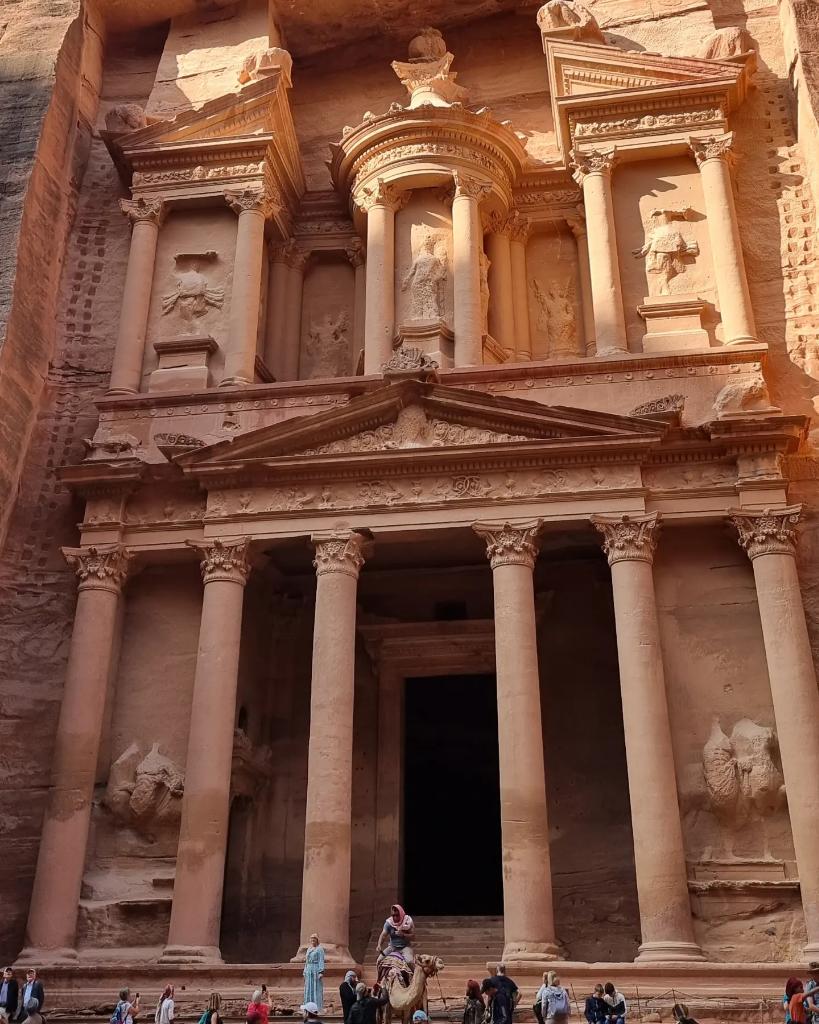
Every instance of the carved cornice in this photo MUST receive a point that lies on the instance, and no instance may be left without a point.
(141, 210)
(510, 544)
(634, 122)
(593, 161)
(628, 538)
(715, 147)
(391, 196)
(266, 201)
(769, 532)
(224, 560)
(339, 552)
(99, 568)
(470, 188)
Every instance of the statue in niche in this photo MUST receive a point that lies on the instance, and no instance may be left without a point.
(327, 345)
(145, 792)
(485, 264)
(556, 317)
(426, 279)
(666, 249)
(193, 295)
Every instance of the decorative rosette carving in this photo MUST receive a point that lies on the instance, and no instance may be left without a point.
(224, 560)
(392, 196)
(628, 538)
(473, 188)
(99, 568)
(769, 532)
(715, 147)
(142, 210)
(340, 552)
(593, 161)
(264, 200)
(510, 544)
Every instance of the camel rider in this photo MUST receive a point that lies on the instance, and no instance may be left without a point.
(398, 932)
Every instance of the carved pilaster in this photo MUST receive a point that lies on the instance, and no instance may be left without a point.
(355, 252)
(223, 560)
(769, 532)
(576, 223)
(264, 201)
(99, 568)
(518, 226)
(593, 161)
(473, 188)
(715, 147)
(628, 538)
(140, 210)
(339, 552)
(382, 193)
(510, 544)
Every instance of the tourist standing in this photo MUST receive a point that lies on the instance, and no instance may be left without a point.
(812, 1001)
(165, 1008)
(498, 1007)
(33, 989)
(398, 933)
(125, 1010)
(212, 1013)
(554, 1003)
(596, 1006)
(310, 1013)
(314, 973)
(259, 1005)
(509, 987)
(616, 1007)
(473, 1005)
(796, 1004)
(366, 1007)
(9, 993)
(347, 994)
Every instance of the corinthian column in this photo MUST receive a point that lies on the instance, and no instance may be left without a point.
(527, 879)
(325, 899)
(52, 918)
(769, 538)
(577, 226)
(355, 254)
(501, 284)
(380, 202)
(659, 855)
(712, 156)
(276, 305)
(253, 206)
(146, 216)
(291, 343)
(200, 860)
(518, 228)
(467, 244)
(593, 173)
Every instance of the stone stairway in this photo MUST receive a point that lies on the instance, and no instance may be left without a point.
(465, 944)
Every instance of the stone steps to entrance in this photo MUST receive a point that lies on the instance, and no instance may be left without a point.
(458, 941)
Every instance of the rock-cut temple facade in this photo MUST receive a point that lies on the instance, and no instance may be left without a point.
(409, 493)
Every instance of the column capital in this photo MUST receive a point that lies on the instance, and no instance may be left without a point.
(339, 552)
(593, 161)
(100, 568)
(628, 538)
(387, 194)
(714, 147)
(510, 543)
(142, 210)
(355, 252)
(518, 226)
(576, 223)
(769, 532)
(472, 188)
(291, 253)
(223, 560)
(264, 200)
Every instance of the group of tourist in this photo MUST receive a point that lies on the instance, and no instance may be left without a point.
(24, 1001)
(801, 1001)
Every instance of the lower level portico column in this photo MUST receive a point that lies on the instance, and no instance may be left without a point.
(769, 538)
(52, 918)
(467, 244)
(196, 912)
(659, 855)
(528, 913)
(325, 899)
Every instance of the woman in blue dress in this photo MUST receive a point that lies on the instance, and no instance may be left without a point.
(314, 973)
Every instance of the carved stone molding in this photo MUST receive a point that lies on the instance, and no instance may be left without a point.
(473, 188)
(265, 201)
(290, 253)
(339, 552)
(355, 252)
(142, 210)
(628, 538)
(99, 568)
(593, 161)
(508, 544)
(391, 196)
(224, 560)
(518, 226)
(715, 147)
(577, 224)
(769, 532)
(668, 403)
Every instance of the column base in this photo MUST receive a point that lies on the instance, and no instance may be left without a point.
(333, 954)
(745, 339)
(191, 955)
(111, 392)
(811, 953)
(531, 952)
(40, 956)
(234, 382)
(612, 351)
(668, 952)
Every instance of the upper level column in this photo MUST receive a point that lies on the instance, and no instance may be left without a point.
(501, 285)
(355, 254)
(577, 226)
(659, 854)
(713, 156)
(297, 259)
(467, 245)
(769, 539)
(146, 216)
(593, 172)
(519, 227)
(52, 917)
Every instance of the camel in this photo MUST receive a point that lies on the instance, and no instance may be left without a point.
(406, 999)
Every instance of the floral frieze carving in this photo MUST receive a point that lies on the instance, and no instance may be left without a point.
(587, 127)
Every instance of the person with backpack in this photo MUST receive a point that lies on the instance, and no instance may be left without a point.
(212, 1014)
(554, 1003)
(125, 1011)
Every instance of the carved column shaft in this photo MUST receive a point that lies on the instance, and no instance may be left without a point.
(325, 901)
(126, 370)
(527, 880)
(196, 912)
(659, 854)
(501, 286)
(55, 898)
(291, 346)
(467, 243)
(380, 203)
(594, 173)
(578, 229)
(277, 283)
(518, 236)
(712, 156)
(355, 254)
(769, 538)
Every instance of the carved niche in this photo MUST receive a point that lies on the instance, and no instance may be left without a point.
(145, 791)
(666, 249)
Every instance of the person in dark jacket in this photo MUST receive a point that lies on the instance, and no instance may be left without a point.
(497, 1002)
(9, 993)
(346, 991)
(596, 1006)
(32, 989)
(366, 1006)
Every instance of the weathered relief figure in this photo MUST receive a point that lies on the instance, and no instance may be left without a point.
(666, 249)
(145, 792)
(559, 15)
(193, 295)
(556, 317)
(426, 278)
(327, 345)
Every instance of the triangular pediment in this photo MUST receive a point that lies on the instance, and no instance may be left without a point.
(413, 416)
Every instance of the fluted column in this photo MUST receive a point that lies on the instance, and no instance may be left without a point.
(501, 285)
(276, 306)
(146, 216)
(467, 244)
(253, 206)
(518, 227)
(659, 854)
(325, 900)
(200, 860)
(713, 156)
(527, 879)
(593, 173)
(52, 918)
(769, 539)
(577, 226)
(297, 259)
(380, 203)
(355, 254)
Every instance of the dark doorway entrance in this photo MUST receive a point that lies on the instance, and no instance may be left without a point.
(452, 837)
